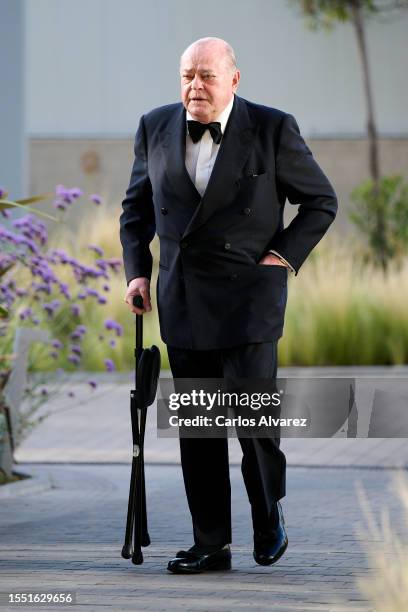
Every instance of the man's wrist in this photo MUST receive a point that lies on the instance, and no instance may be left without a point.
(282, 259)
(135, 277)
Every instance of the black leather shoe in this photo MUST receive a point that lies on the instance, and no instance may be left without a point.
(194, 562)
(269, 547)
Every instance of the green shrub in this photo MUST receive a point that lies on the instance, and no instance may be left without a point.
(381, 215)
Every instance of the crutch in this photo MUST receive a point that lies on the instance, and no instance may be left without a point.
(147, 370)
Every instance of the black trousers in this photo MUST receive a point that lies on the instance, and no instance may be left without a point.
(205, 460)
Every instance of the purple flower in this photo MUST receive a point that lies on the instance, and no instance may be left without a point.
(82, 272)
(44, 391)
(25, 313)
(5, 261)
(53, 354)
(62, 255)
(114, 263)
(75, 309)
(76, 349)
(65, 290)
(32, 246)
(101, 263)
(112, 343)
(102, 300)
(67, 195)
(49, 309)
(61, 191)
(81, 295)
(106, 288)
(59, 204)
(6, 213)
(21, 292)
(114, 325)
(97, 249)
(75, 192)
(109, 365)
(56, 343)
(94, 197)
(92, 384)
(2, 192)
(24, 239)
(43, 270)
(74, 359)
(39, 287)
(93, 292)
(32, 229)
(78, 332)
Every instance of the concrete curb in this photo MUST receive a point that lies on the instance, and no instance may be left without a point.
(30, 485)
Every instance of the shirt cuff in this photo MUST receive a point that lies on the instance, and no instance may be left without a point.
(282, 259)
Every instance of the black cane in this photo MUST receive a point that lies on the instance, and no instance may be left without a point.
(136, 523)
(147, 372)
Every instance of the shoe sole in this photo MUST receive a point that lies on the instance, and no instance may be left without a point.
(218, 567)
(283, 549)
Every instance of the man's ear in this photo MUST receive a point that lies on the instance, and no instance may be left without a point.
(235, 80)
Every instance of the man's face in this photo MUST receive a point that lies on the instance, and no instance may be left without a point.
(207, 81)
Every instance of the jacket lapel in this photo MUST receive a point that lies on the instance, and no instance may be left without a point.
(173, 142)
(224, 180)
(223, 184)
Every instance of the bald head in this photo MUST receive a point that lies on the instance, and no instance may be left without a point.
(209, 78)
(215, 45)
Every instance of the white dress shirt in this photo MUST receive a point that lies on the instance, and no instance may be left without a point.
(201, 156)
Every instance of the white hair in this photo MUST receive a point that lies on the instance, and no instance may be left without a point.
(228, 50)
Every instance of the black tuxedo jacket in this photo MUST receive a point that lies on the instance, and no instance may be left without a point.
(211, 291)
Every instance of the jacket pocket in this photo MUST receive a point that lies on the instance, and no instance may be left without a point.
(253, 179)
(275, 273)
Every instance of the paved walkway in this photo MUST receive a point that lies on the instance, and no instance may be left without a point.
(95, 427)
(70, 537)
(63, 530)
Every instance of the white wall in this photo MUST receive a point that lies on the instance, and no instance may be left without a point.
(13, 159)
(94, 66)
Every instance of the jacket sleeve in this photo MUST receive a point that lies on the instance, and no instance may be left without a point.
(137, 221)
(302, 182)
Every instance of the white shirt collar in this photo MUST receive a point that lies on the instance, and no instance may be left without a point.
(222, 117)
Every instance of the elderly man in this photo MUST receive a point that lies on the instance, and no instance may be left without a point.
(211, 176)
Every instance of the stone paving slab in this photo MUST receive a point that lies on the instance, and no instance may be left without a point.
(70, 538)
(95, 427)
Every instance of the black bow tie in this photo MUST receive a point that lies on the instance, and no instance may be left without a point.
(197, 129)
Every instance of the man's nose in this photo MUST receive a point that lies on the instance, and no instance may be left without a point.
(197, 83)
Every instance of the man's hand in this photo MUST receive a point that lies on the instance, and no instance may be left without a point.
(272, 260)
(139, 286)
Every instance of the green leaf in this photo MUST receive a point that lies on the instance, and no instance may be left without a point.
(37, 198)
(10, 203)
(3, 271)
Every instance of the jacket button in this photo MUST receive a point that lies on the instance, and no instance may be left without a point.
(184, 245)
(233, 276)
(247, 211)
(227, 246)
(164, 211)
